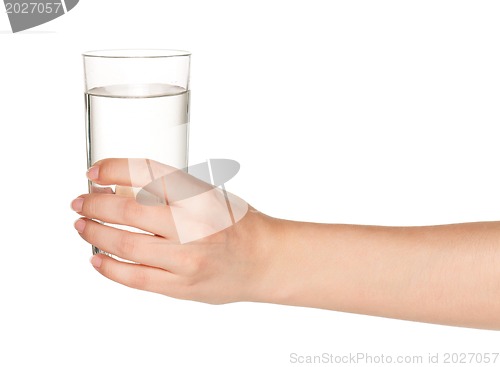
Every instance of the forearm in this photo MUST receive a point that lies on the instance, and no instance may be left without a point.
(446, 274)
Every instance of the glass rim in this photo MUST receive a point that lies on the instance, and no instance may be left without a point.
(134, 53)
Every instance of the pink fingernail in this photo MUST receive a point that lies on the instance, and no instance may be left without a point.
(77, 204)
(80, 225)
(93, 173)
(96, 261)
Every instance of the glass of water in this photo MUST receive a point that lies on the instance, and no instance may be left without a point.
(136, 106)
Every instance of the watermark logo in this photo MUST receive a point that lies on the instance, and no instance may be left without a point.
(197, 202)
(26, 14)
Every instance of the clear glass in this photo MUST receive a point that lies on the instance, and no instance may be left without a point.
(137, 106)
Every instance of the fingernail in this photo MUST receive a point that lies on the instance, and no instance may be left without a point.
(80, 225)
(77, 204)
(96, 261)
(93, 173)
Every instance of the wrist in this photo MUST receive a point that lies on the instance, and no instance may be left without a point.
(258, 234)
(299, 267)
(276, 258)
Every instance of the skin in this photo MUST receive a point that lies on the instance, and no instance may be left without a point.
(448, 274)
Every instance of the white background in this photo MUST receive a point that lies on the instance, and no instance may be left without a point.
(373, 112)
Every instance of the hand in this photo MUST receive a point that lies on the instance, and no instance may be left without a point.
(207, 247)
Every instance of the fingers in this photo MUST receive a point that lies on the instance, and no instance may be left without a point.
(137, 247)
(137, 276)
(145, 249)
(134, 172)
(157, 180)
(118, 209)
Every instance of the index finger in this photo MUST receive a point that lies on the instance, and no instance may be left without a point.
(161, 184)
(134, 172)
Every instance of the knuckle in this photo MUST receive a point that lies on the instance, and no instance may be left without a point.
(139, 279)
(110, 271)
(190, 262)
(126, 246)
(105, 171)
(90, 205)
(90, 232)
(131, 210)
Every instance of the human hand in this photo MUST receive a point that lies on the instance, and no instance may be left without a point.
(209, 246)
(205, 246)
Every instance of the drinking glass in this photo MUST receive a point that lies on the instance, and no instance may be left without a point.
(136, 106)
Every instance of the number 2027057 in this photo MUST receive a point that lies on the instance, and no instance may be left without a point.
(32, 8)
